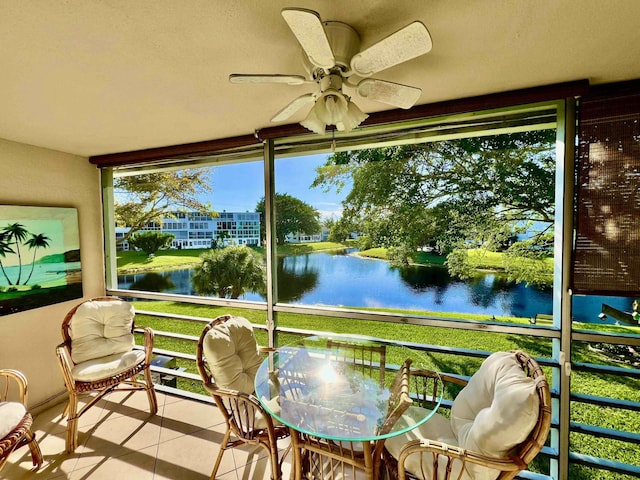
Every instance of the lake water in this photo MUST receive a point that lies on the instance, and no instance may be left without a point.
(352, 281)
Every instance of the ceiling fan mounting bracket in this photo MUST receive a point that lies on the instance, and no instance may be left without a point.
(344, 42)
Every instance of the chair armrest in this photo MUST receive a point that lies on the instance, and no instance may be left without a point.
(267, 349)
(19, 379)
(445, 378)
(66, 363)
(453, 453)
(148, 335)
(242, 420)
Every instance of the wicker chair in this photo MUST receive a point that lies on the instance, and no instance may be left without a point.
(98, 355)
(332, 460)
(15, 420)
(228, 358)
(368, 358)
(435, 453)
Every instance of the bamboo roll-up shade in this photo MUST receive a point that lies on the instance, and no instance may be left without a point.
(606, 257)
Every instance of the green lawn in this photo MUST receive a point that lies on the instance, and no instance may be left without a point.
(420, 258)
(133, 261)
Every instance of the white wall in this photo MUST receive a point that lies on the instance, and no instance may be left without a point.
(41, 177)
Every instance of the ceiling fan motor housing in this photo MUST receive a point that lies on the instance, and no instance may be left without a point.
(344, 42)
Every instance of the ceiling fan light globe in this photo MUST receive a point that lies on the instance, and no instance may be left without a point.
(313, 123)
(331, 107)
(352, 118)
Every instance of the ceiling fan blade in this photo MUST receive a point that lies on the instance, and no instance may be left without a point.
(407, 43)
(395, 94)
(266, 78)
(293, 107)
(307, 27)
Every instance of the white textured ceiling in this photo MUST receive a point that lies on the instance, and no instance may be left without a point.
(94, 77)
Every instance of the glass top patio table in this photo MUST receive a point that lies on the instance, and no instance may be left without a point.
(319, 391)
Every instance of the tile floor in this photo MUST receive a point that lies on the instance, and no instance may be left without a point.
(119, 440)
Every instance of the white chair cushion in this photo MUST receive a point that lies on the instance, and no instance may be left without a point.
(436, 428)
(494, 412)
(10, 415)
(231, 351)
(108, 366)
(497, 409)
(101, 328)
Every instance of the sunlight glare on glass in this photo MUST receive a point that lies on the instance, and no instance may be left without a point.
(327, 373)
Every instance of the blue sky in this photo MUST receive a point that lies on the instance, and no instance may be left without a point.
(238, 187)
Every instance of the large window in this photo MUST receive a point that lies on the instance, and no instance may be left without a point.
(209, 214)
(460, 228)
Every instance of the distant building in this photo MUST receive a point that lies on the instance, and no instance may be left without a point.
(197, 230)
(305, 238)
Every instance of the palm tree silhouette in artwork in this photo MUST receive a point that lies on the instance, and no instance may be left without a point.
(4, 249)
(16, 233)
(36, 241)
(11, 237)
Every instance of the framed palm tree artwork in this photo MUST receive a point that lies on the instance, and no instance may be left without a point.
(39, 257)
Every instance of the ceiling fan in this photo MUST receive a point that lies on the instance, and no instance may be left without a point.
(332, 58)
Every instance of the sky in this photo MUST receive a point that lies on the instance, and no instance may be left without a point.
(238, 187)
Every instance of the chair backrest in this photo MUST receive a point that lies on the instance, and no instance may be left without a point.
(227, 359)
(13, 386)
(501, 420)
(504, 411)
(368, 358)
(228, 353)
(399, 397)
(99, 327)
(13, 401)
(531, 446)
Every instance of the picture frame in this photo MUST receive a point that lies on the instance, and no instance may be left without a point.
(39, 257)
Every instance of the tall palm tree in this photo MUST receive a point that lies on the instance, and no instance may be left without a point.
(36, 241)
(16, 233)
(4, 249)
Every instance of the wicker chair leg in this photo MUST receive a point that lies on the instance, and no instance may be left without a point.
(72, 422)
(151, 391)
(276, 471)
(36, 453)
(223, 447)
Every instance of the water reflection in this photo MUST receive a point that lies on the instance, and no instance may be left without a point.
(153, 282)
(421, 280)
(352, 281)
(296, 276)
(173, 281)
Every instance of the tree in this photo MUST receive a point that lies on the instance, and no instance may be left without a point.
(447, 195)
(339, 230)
(36, 241)
(229, 272)
(146, 198)
(4, 249)
(16, 233)
(11, 237)
(292, 216)
(151, 242)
